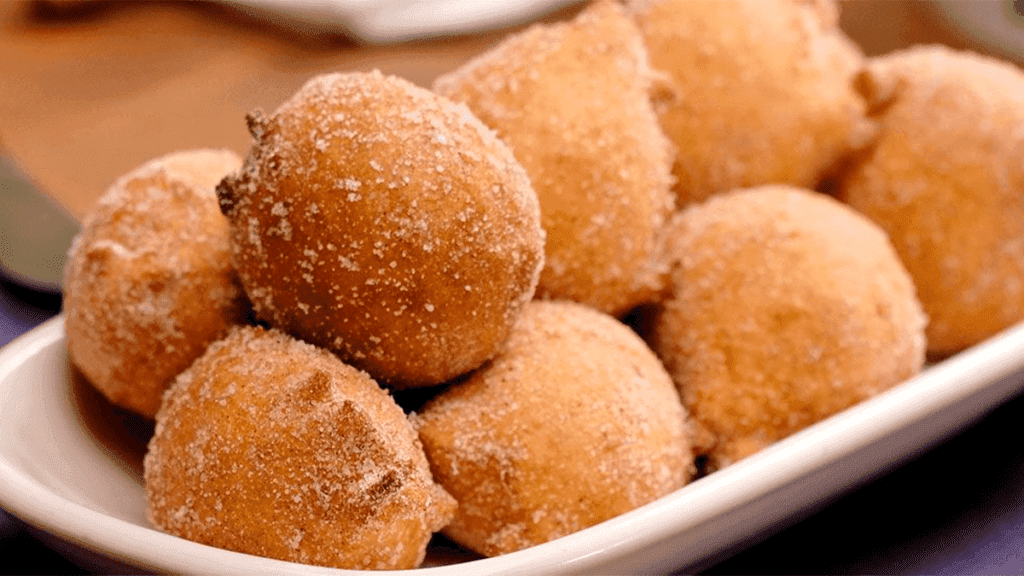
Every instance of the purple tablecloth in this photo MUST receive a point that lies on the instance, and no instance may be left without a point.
(958, 509)
(20, 552)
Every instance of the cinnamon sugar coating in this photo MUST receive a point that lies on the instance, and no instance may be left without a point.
(575, 422)
(787, 307)
(273, 447)
(381, 221)
(149, 282)
(763, 90)
(946, 181)
(573, 101)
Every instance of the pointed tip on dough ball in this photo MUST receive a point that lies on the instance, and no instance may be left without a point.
(574, 102)
(386, 223)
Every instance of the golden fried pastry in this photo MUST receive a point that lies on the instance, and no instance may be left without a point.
(271, 446)
(381, 221)
(763, 90)
(149, 282)
(946, 181)
(787, 307)
(575, 422)
(573, 101)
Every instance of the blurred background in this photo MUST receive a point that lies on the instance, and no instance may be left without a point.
(90, 89)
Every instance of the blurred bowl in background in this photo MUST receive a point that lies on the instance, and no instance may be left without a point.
(997, 25)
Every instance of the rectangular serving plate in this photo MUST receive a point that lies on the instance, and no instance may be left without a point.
(70, 466)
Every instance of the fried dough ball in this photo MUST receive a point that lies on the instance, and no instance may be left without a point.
(946, 181)
(575, 422)
(572, 100)
(271, 446)
(763, 91)
(381, 221)
(787, 307)
(149, 282)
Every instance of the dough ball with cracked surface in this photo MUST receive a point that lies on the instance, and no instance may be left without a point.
(270, 446)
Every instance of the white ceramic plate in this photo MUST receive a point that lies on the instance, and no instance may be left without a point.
(71, 466)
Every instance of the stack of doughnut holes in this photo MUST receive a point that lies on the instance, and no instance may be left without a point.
(635, 247)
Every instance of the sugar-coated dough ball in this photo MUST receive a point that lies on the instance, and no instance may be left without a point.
(273, 447)
(763, 90)
(573, 100)
(575, 422)
(149, 282)
(381, 221)
(787, 307)
(946, 181)
(204, 167)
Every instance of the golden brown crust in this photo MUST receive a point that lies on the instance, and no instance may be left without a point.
(270, 446)
(945, 180)
(763, 90)
(787, 307)
(575, 422)
(572, 100)
(387, 224)
(149, 282)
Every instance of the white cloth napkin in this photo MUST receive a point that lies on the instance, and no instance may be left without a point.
(386, 21)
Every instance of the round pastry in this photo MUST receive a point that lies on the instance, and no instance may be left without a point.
(787, 307)
(945, 180)
(573, 101)
(575, 422)
(270, 446)
(387, 224)
(148, 281)
(763, 91)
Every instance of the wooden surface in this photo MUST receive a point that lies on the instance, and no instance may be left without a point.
(91, 90)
